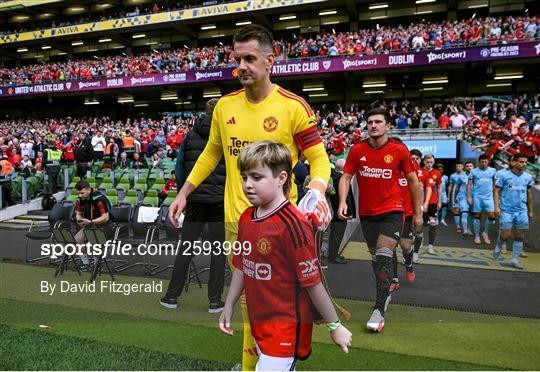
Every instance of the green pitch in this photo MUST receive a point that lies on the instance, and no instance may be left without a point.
(135, 332)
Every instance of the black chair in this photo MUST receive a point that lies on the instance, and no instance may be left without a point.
(121, 215)
(97, 236)
(60, 215)
(63, 235)
(141, 231)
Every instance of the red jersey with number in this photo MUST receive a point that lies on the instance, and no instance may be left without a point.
(434, 179)
(282, 263)
(406, 193)
(377, 172)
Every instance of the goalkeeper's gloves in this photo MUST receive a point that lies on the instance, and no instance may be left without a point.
(315, 207)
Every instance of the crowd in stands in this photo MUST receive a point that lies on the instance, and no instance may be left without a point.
(25, 141)
(497, 128)
(446, 34)
(368, 41)
(494, 128)
(108, 14)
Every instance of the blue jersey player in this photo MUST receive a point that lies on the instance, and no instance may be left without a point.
(480, 196)
(513, 205)
(444, 196)
(460, 198)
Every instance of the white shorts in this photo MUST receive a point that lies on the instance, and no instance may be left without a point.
(271, 363)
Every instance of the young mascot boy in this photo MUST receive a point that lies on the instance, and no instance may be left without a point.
(280, 273)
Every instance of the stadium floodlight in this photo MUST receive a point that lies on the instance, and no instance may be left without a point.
(106, 40)
(291, 27)
(119, 47)
(435, 81)
(91, 101)
(373, 85)
(315, 95)
(378, 6)
(208, 27)
(76, 43)
(92, 50)
(62, 53)
(509, 76)
(183, 103)
(330, 23)
(45, 47)
(312, 89)
(125, 99)
(433, 88)
(424, 12)
(287, 17)
(374, 91)
(169, 97)
(477, 6)
(425, 1)
(22, 50)
(243, 23)
(138, 36)
(327, 12)
(497, 85)
(378, 17)
(140, 105)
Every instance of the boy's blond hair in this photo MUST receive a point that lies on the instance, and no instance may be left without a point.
(272, 154)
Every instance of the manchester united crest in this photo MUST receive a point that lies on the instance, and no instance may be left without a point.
(388, 159)
(264, 246)
(270, 124)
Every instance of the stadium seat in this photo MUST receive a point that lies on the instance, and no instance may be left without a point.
(151, 198)
(132, 198)
(112, 195)
(73, 196)
(157, 185)
(141, 184)
(106, 184)
(91, 181)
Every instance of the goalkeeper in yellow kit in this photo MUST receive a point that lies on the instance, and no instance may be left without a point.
(261, 110)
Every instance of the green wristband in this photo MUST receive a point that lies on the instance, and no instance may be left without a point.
(334, 325)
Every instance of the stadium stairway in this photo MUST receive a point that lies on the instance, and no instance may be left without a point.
(23, 222)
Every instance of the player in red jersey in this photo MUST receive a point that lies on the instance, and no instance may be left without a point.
(433, 205)
(280, 272)
(378, 163)
(407, 234)
(416, 157)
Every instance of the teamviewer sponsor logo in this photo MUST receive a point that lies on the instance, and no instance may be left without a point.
(144, 80)
(208, 75)
(359, 63)
(375, 172)
(443, 56)
(91, 84)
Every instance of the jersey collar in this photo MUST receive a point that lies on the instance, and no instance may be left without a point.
(256, 218)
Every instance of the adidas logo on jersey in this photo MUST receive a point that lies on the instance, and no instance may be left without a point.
(231, 121)
(363, 158)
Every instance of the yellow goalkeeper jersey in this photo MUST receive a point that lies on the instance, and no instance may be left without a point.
(283, 117)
